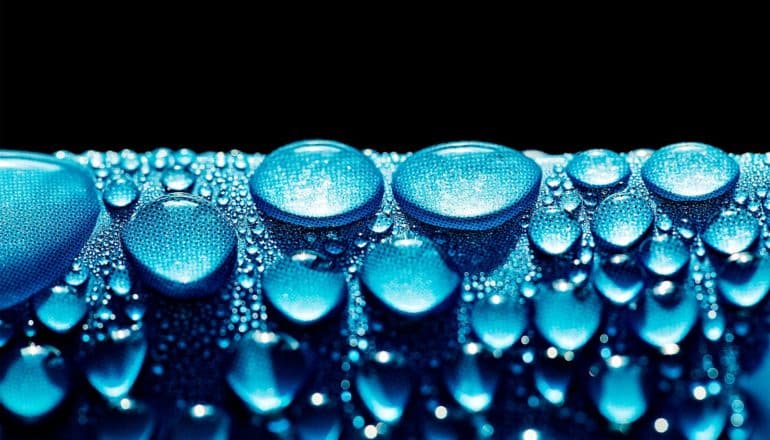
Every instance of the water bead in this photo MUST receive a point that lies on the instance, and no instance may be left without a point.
(176, 179)
(662, 324)
(317, 183)
(113, 365)
(745, 280)
(466, 185)
(598, 168)
(60, 308)
(555, 314)
(120, 193)
(618, 278)
(384, 386)
(731, 231)
(619, 392)
(664, 255)
(499, 321)
(33, 381)
(472, 379)
(552, 231)
(621, 220)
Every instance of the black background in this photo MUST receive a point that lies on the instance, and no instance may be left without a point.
(554, 79)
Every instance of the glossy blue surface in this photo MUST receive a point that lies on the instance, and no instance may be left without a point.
(598, 168)
(621, 220)
(552, 231)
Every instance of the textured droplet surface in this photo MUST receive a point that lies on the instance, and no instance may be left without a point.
(664, 255)
(408, 276)
(317, 183)
(553, 231)
(745, 280)
(662, 324)
(690, 171)
(33, 381)
(598, 168)
(618, 278)
(466, 185)
(48, 209)
(619, 393)
(120, 193)
(555, 314)
(181, 245)
(114, 364)
(731, 231)
(621, 220)
(499, 321)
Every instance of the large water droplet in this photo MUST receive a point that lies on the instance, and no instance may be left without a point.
(317, 183)
(113, 365)
(552, 231)
(598, 169)
(120, 193)
(384, 385)
(555, 314)
(690, 171)
(60, 308)
(408, 276)
(302, 289)
(499, 321)
(181, 245)
(48, 209)
(618, 278)
(663, 323)
(703, 419)
(472, 379)
(732, 231)
(33, 381)
(745, 279)
(267, 371)
(466, 185)
(619, 393)
(621, 220)
(664, 255)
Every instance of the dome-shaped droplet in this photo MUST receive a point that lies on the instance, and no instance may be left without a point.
(662, 324)
(618, 278)
(598, 169)
(664, 255)
(555, 314)
(113, 365)
(552, 231)
(472, 379)
(466, 185)
(129, 420)
(408, 276)
(384, 386)
(317, 183)
(499, 321)
(745, 279)
(267, 371)
(703, 417)
(120, 193)
(690, 171)
(181, 245)
(303, 290)
(176, 179)
(619, 392)
(552, 379)
(48, 209)
(60, 308)
(731, 231)
(621, 220)
(33, 381)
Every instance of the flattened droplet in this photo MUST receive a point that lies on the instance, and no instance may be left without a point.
(731, 231)
(690, 171)
(317, 183)
(598, 168)
(466, 185)
(48, 209)
(552, 231)
(181, 246)
(621, 220)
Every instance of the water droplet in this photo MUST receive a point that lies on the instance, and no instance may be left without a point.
(126, 420)
(745, 280)
(552, 378)
(466, 185)
(120, 193)
(731, 231)
(703, 419)
(317, 183)
(120, 281)
(498, 321)
(177, 179)
(598, 169)
(552, 231)
(60, 308)
(555, 314)
(33, 381)
(319, 423)
(472, 380)
(664, 255)
(618, 278)
(619, 393)
(663, 323)
(181, 245)
(381, 224)
(690, 171)
(201, 422)
(621, 220)
(384, 385)
(113, 365)
(48, 209)
(408, 276)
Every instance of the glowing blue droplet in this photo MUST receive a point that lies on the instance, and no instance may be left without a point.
(317, 183)
(704, 419)
(60, 308)
(732, 231)
(690, 171)
(618, 278)
(498, 321)
(129, 420)
(555, 314)
(598, 169)
(384, 388)
(664, 255)
(552, 231)
(48, 209)
(409, 276)
(619, 393)
(120, 193)
(33, 381)
(662, 324)
(466, 185)
(552, 381)
(181, 245)
(177, 179)
(472, 380)
(621, 220)
(201, 422)
(114, 364)
(745, 280)
(319, 423)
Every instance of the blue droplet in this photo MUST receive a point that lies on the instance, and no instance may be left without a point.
(319, 423)
(466, 185)
(664, 255)
(552, 381)
(498, 321)
(384, 386)
(663, 323)
(48, 209)
(703, 419)
(120, 281)
(618, 278)
(598, 169)
(619, 393)
(177, 179)
(114, 364)
(621, 220)
(267, 371)
(552, 231)
(690, 171)
(33, 381)
(301, 290)
(732, 231)
(201, 422)
(181, 245)
(317, 183)
(472, 379)
(60, 308)
(745, 279)
(120, 193)
(130, 420)
(409, 276)
(555, 314)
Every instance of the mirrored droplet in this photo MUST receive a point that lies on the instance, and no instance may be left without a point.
(466, 185)
(598, 169)
(317, 183)
(618, 392)
(621, 220)
(181, 245)
(499, 321)
(200, 422)
(120, 193)
(120, 281)
(552, 378)
(301, 290)
(384, 385)
(731, 231)
(177, 179)
(745, 279)
(60, 308)
(33, 381)
(472, 379)
(618, 278)
(664, 255)
(662, 324)
(552, 231)
(319, 423)
(703, 419)
(267, 371)
(48, 209)
(408, 276)
(690, 171)
(126, 420)
(555, 314)
(113, 365)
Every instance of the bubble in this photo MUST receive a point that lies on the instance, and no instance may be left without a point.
(499, 321)
(618, 278)
(664, 255)
(60, 308)
(384, 385)
(745, 280)
(619, 393)
(662, 324)
(472, 380)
